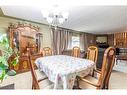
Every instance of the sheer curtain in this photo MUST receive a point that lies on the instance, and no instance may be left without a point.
(83, 41)
(61, 40)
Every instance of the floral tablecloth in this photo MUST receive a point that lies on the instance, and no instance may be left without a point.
(63, 69)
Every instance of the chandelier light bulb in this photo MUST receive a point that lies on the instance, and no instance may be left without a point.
(49, 20)
(55, 16)
(61, 20)
(65, 15)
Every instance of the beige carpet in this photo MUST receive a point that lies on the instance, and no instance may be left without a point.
(118, 79)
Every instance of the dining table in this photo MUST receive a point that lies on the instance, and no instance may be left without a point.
(62, 69)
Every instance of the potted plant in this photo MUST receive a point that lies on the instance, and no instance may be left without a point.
(5, 53)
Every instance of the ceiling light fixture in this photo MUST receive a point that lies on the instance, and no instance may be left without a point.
(55, 16)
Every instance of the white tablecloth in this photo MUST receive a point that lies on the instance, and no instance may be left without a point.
(62, 69)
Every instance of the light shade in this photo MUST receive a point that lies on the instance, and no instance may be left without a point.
(55, 16)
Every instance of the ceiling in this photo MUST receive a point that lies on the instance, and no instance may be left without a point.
(91, 19)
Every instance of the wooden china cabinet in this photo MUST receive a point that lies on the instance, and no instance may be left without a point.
(120, 40)
(24, 37)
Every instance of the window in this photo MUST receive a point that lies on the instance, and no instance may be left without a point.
(75, 41)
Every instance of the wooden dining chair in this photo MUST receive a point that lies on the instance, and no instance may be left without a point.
(47, 51)
(103, 80)
(38, 83)
(92, 53)
(76, 51)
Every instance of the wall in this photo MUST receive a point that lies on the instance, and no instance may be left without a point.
(46, 41)
(101, 39)
(91, 39)
(111, 39)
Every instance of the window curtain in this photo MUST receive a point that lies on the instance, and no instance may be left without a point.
(83, 41)
(61, 40)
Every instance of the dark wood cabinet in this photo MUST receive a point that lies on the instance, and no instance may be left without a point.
(23, 65)
(120, 40)
(23, 37)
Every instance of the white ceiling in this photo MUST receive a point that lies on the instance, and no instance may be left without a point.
(91, 19)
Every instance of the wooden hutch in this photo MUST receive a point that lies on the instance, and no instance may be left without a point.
(120, 39)
(24, 37)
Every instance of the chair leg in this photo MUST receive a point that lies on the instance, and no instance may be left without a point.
(116, 62)
(93, 73)
(33, 85)
(103, 87)
(77, 81)
(107, 86)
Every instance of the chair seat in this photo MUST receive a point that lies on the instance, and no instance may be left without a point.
(85, 85)
(101, 81)
(46, 84)
(40, 74)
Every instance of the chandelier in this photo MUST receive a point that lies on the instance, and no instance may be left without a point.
(55, 16)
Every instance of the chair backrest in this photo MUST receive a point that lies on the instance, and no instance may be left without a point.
(107, 65)
(76, 51)
(34, 76)
(47, 51)
(92, 53)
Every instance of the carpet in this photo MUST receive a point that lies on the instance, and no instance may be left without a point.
(10, 86)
